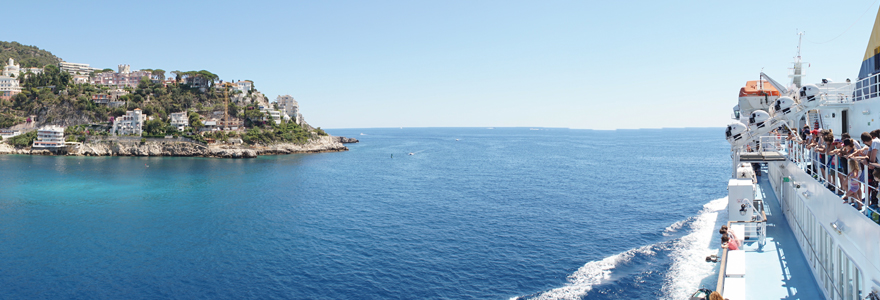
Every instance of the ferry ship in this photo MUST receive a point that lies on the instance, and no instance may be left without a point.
(803, 235)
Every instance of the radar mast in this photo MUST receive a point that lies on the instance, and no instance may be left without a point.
(797, 70)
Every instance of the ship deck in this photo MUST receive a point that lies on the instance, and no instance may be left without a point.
(777, 270)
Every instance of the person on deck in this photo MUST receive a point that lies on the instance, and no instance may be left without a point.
(731, 244)
(840, 152)
(852, 194)
(725, 230)
(821, 148)
(805, 133)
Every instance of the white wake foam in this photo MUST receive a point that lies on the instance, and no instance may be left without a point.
(674, 227)
(591, 274)
(689, 267)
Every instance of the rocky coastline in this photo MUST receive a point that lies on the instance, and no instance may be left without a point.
(177, 148)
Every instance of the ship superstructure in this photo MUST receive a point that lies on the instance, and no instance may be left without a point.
(798, 200)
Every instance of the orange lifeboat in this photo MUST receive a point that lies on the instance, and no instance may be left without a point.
(754, 89)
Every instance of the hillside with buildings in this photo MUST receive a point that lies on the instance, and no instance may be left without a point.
(96, 104)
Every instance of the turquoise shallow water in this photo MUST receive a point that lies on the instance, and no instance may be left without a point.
(500, 213)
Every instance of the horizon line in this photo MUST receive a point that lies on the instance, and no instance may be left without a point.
(542, 127)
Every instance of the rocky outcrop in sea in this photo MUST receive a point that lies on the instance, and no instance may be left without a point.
(346, 140)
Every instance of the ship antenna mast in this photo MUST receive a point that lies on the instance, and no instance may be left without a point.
(797, 70)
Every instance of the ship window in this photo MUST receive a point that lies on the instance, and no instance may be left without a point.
(828, 262)
(850, 277)
(876, 61)
(841, 274)
(857, 281)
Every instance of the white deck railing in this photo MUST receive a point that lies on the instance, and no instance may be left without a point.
(824, 168)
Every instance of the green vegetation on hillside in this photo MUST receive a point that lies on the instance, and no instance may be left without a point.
(23, 140)
(53, 98)
(51, 76)
(26, 56)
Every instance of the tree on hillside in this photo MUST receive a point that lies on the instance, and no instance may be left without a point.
(195, 121)
(51, 76)
(160, 73)
(233, 110)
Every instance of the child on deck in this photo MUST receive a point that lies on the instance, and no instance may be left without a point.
(731, 244)
(854, 185)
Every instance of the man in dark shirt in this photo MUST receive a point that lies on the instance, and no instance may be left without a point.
(805, 132)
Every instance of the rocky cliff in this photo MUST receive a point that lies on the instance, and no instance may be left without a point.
(175, 148)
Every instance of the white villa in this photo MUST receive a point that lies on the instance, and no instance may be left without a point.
(130, 123)
(244, 86)
(276, 115)
(51, 136)
(12, 69)
(9, 133)
(179, 120)
(75, 68)
(8, 87)
(290, 107)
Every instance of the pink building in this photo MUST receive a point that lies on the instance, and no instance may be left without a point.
(120, 79)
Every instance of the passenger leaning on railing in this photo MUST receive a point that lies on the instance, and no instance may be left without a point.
(811, 142)
(846, 136)
(822, 148)
(865, 156)
(836, 178)
(849, 149)
(840, 151)
(805, 133)
(830, 166)
(853, 193)
(724, 230)
(731, 244)
(872, 155)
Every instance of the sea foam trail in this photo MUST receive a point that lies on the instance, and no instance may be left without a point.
(688, 255)
(591, 274)
(689, 268)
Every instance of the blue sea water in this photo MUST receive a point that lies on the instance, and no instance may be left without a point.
(474, 213)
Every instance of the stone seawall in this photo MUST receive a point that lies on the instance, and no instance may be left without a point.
(177, 148)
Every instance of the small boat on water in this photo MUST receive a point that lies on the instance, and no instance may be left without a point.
(412, 153)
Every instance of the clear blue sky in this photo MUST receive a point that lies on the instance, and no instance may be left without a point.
(577, 64)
